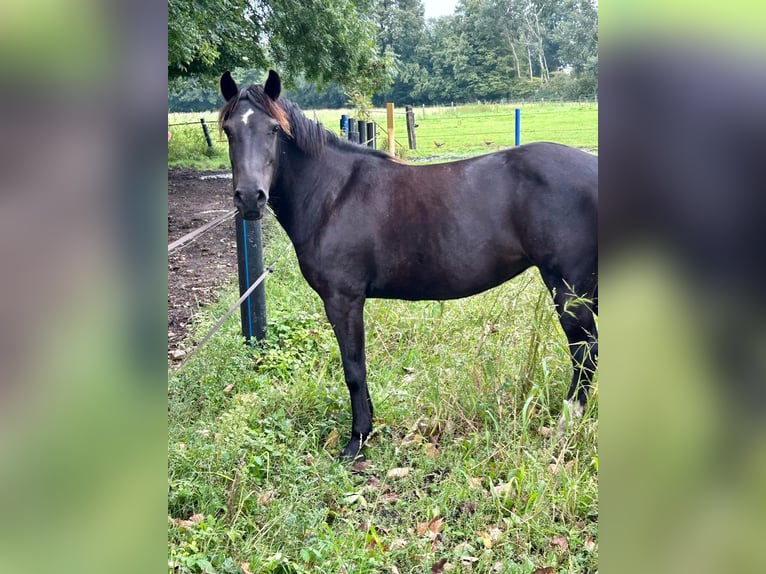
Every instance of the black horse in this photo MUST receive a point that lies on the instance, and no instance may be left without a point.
(366, 225)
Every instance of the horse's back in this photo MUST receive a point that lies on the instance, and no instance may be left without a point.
(454, 229)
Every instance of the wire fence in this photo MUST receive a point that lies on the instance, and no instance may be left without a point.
(448, 130)
(192, 235)
(222, 320)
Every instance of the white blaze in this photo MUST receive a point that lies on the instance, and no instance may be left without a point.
(246, 115)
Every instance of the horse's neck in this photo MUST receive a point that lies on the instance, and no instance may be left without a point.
(306, 187)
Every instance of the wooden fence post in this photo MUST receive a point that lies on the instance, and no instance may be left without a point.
(390, 122)
(411, 127)
(206, 132)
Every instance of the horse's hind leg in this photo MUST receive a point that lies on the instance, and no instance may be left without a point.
(346, 317)
(575, 305)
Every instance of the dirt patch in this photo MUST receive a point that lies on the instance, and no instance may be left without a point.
(197, 270)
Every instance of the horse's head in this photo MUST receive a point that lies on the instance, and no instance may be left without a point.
(252, 121)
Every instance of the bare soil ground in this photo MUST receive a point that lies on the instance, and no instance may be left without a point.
(197, 270)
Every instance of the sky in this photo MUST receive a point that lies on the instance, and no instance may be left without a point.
(436, 8)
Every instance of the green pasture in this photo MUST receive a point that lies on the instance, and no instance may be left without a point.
(442, 133)
(464, 471)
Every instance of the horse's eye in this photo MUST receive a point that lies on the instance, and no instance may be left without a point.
(275, 130)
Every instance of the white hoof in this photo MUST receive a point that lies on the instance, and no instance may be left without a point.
(573, 412)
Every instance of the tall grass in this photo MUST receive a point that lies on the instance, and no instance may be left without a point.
(188, 147)
(466, 395)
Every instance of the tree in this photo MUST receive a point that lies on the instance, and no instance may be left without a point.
(401, 27)
(325, 40)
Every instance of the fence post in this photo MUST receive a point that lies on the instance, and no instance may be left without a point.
(207, 133)
(250, 267)
(390, 123)
(360, 127)
(343, 125)
(372, 141)
(518, 126)
(411, 127)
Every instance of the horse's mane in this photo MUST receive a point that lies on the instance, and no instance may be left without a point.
(309, 136)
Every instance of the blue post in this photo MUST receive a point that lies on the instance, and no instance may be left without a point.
(250, 266)
(518, 126)
(343, 125)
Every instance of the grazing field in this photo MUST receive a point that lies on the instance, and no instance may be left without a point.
(464, 471)
(442, 132)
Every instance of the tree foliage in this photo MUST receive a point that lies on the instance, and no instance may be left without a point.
(325, 40)
(386, 49)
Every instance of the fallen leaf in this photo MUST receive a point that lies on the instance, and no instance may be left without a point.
(361, 466)
(436, 525)
(412, 439)
(177, 354)
(431, 450)
(353, 498)
(438, 566)
(503, 489)
(498, 566)
(265, 497)
(332, 439)
(194, 519)
(389, 498)
(398, 472)
(474, 482)
(560, 542)
(545, 432)
(245, 568)
(432, 528)
(227, 389)
(489, 537)
(399, 543)
(589, 545)
(546, 570)
(373, 483)
(394, 569)
(485, 539)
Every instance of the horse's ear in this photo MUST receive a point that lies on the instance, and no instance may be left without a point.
(273, 85)
(228, 86)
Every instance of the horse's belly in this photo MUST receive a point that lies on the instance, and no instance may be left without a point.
(417, 282)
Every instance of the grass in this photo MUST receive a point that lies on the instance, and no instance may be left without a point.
(462, 131)
(462, 470)
(188, 147)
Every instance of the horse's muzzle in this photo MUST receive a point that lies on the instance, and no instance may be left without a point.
(253, 215)
(250, 204)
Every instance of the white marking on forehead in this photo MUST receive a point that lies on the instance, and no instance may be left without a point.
(246, 115)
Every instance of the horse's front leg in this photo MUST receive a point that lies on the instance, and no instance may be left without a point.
(347, 320)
